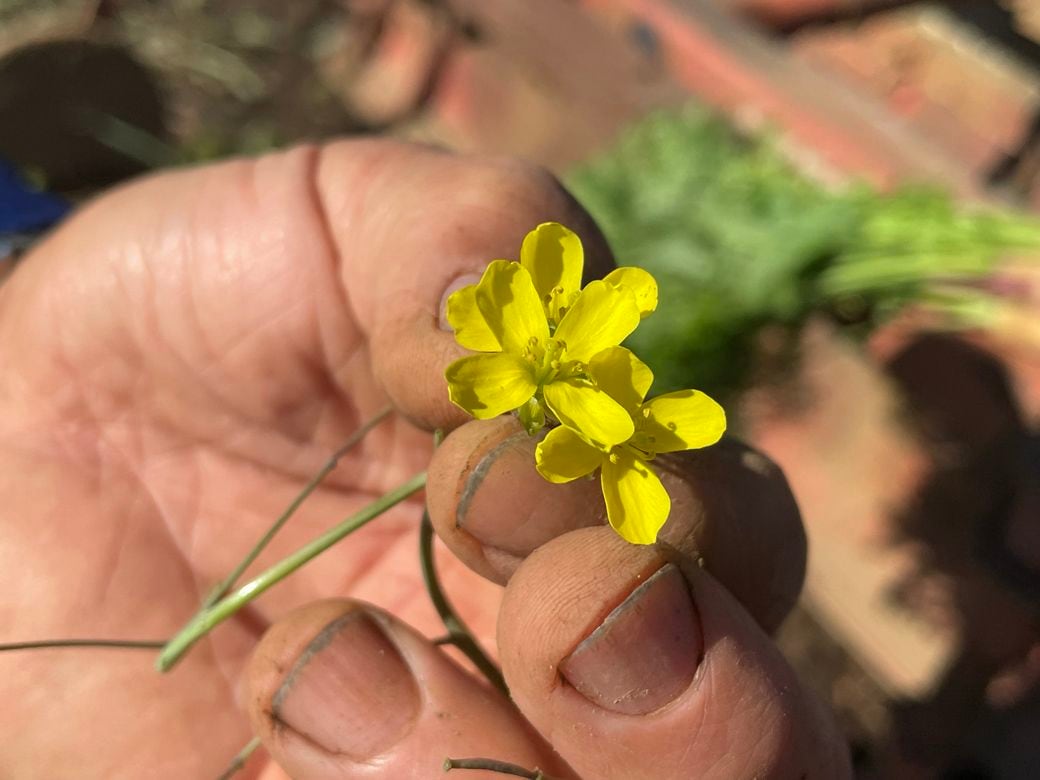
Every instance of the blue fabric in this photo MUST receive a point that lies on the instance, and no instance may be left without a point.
(23, 209)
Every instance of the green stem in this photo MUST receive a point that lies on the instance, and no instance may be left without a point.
(119, 644)
(491, 765)
(207, 619)
(458, 633)
(229, 582)
(239, 761)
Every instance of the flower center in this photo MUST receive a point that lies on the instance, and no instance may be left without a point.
(642, 444)
(548, 360)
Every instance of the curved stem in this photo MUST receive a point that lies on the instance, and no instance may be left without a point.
(239, 761)
(491, 765)
(458, 633)
(229, 582)
(117, 644)
(207, 619)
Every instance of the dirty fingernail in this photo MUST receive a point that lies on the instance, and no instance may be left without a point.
(505, 504)
(646, 651)
(350, 691)
(460, 281)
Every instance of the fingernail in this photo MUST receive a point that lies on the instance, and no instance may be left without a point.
(460, 281)
(350, 691)
(645, 653)
(505, 504)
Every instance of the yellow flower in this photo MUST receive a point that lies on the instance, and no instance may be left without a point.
(637, 502)
(524, 360)
(539, 330)
(555, 258)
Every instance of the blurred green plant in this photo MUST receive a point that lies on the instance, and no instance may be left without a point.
(739, 241)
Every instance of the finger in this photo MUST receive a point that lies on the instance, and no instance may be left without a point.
(259, 295)
(458, 214)
(731, 506)
(666, 674)
(338, 689)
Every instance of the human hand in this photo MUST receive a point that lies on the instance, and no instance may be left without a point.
(186, 351)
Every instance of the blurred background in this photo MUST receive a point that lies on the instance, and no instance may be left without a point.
(837, 196)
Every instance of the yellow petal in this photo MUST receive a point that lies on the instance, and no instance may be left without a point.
(554, 257)
(621, 375)
(563, 455)
(642, 285)
(684, 420)
(637, 503)
(510, 305)
(601, 317)
(489, 385)
(465, 318)
(588, 410)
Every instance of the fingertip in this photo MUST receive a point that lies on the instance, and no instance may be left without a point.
(408, 223)
(489, 504)
(339, 687)
(666, 672)
(732, 506)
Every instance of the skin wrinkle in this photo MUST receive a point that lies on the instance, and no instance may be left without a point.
(326, 240)
(118, 531)
(334, 261)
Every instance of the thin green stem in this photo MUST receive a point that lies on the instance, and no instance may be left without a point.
(239, 761)
(207, 619)
(458, 633)
(116, 644)
(229, 582)
(491, 765)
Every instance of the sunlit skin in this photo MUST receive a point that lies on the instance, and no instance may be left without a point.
(184, 354)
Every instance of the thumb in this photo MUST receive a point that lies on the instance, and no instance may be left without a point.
(339, 689)
(666, 673)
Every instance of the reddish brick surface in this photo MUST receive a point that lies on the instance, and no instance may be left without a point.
(720, 60)
(973, 102)
(547, 81)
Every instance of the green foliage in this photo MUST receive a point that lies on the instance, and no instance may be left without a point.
(739, 240)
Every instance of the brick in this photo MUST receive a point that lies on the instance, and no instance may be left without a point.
(936, 74)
